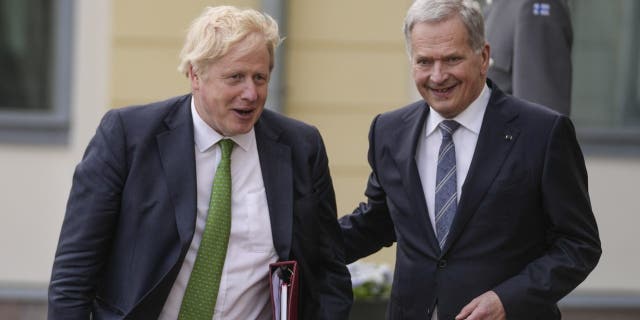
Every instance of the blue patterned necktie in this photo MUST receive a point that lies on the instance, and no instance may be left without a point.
(446, 200)
(202, 290)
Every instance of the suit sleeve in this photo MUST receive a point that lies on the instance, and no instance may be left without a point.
(573, 241)
(369, 227)
(90, 218)
(332, 283)
(542, 55)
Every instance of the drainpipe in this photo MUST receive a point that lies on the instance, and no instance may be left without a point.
(275, 100)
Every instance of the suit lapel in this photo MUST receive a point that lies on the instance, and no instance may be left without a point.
(176, 146)
(497, 137)
(275, 162)
(403, 151)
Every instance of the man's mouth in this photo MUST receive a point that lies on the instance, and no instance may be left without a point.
(244, 113)
(442, 92)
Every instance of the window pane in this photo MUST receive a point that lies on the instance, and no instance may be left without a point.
(605, 60)
(25, 55)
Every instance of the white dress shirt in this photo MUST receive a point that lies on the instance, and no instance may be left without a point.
(244, 286)
(464, 140)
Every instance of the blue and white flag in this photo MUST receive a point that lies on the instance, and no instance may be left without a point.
(541, 9)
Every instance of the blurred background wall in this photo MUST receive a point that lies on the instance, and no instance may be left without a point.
(341, 64)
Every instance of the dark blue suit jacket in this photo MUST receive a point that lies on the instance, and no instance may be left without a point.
(132, 209)
(524, 226)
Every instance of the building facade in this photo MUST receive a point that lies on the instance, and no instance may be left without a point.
(341, 64)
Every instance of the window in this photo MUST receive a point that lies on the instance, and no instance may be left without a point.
(605, 102)
(35, 73)
(606, 72)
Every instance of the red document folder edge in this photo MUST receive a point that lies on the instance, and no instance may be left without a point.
(283, 278)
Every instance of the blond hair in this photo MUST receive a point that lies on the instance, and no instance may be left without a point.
(217, 29)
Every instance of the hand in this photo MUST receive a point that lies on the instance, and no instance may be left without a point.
(485, 307)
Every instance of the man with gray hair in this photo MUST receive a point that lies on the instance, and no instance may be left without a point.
(179, 207)
(485, 194)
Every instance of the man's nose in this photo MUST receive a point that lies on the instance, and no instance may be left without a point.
(438, 73)
(250, 91)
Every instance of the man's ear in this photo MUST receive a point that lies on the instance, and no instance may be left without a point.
(194, 79)
(486, 58)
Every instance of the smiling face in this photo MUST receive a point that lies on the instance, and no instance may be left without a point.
(230, 93)
(448, 73)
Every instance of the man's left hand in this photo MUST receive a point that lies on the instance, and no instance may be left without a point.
(485, 307)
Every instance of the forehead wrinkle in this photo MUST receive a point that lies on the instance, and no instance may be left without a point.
(445, 43)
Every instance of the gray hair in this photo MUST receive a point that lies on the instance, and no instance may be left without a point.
(438, 10)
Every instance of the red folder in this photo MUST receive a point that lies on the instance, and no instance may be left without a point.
(283, 280)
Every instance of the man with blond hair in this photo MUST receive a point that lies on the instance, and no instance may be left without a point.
(178, 207)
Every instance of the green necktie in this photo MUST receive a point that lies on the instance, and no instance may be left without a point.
(202, 290)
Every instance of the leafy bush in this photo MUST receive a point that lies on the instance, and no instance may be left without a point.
(370, 280)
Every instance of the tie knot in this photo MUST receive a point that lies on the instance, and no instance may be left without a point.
(448, 127)
(226, 145)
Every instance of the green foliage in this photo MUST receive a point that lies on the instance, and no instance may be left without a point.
(371, 281)
(372, 290)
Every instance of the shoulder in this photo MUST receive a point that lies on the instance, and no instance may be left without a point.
(147, 117)
(151, 111)
(275, 124)
(413, 111)
(528, 109)
(276, 130)
(530, 117)
(511, 105)
(542, 11)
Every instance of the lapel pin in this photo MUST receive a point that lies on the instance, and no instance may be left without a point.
(508, 137)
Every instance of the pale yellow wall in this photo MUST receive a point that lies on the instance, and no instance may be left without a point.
(147, 38)
(346, 62)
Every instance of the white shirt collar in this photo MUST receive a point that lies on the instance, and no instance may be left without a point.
(205, 137)
(470, 118)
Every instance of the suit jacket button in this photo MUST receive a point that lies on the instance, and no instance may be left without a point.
(442, 264)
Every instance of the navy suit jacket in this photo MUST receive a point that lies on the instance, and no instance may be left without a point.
(524, 226)
(132, 209)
